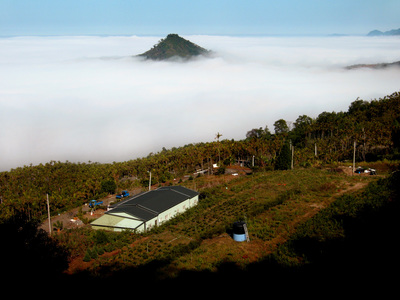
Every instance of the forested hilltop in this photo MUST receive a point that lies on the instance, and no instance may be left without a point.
(373, 125)
(174, 46)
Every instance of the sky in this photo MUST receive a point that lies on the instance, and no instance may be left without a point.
(207, 17)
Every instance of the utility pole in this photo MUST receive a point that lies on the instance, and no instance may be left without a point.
(217, 136)
(150, 181)
(315, 150)
(354, 157)
(48, 212)
(292, 157)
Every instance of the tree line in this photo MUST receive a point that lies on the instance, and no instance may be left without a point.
(374, 127)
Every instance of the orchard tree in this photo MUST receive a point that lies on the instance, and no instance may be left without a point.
(284, 159)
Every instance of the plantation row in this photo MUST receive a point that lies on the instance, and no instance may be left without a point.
(284, 195)
(352, 235)
(356, 233)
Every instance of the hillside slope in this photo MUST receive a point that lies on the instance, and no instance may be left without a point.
(273, 203)
(308, 228)
(373, 125)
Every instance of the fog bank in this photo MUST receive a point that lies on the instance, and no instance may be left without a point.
(89, 98)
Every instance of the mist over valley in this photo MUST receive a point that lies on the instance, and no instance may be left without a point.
(90, 98)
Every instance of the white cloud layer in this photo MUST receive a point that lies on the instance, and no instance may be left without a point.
(88, 98)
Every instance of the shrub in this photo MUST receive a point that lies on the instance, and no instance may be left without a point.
(88, 256)
(220, 171)
(100, 237)
(108, 186)
(93, 253)
(283, 162)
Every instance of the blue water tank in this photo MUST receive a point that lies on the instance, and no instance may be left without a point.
(239, 234)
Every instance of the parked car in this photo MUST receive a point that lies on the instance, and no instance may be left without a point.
(361, 170)
(122, 195)
(94, 203)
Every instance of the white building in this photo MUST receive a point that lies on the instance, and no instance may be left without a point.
(142, 212)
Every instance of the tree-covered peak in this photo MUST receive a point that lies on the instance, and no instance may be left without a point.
(174, 46)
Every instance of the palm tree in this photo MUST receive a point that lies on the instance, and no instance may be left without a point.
(217, 136)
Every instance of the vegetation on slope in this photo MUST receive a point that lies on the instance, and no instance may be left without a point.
(329, 138)
(272, 203)
(277, 205)
(326, 231)
(354, 237)
(174, 46)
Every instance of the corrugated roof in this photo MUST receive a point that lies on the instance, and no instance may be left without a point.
(147, 205)
(180, 189)
(135, 211)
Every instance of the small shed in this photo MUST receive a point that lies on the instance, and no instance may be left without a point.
(236, 169)
(146, 210)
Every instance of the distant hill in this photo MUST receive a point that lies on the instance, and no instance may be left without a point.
(174, 46)
(380, 33)
(375, 66)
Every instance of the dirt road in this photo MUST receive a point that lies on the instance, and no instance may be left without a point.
(69, 219)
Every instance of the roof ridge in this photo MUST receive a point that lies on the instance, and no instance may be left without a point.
(125, 201)
(172, 188)
(148, 209)
(180, 193)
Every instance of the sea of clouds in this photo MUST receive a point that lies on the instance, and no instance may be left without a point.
(87, 98)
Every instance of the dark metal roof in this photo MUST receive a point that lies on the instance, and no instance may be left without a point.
(146, 206)
(180, 189)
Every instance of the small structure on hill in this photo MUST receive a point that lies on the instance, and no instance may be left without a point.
(240, 232)
(146, 210)
(237, 170)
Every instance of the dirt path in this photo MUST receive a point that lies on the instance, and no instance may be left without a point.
(70, 218)
(222, 247)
